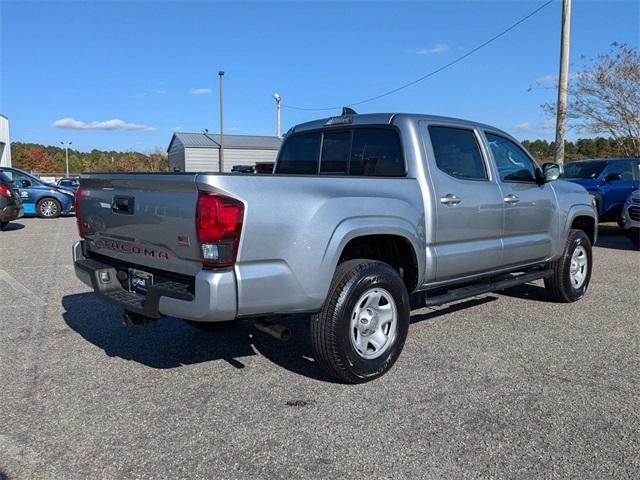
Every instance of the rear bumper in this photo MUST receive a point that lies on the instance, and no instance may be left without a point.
(11, 212)
(212, 299)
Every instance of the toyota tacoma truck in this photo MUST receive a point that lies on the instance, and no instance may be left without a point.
(364, 218)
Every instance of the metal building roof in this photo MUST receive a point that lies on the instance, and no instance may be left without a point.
(211, 140)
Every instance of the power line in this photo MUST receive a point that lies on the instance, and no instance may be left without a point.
(430, 74)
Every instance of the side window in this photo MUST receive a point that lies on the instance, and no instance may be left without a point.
(623, 168)
(457, 152)
(335, 153)
(300, 155)
(514, 165)
(376, 152)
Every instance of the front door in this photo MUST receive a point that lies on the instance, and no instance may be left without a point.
(529, 207)
(468, 203)
(620, 178)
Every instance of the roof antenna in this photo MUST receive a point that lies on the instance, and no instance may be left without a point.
(348, 111)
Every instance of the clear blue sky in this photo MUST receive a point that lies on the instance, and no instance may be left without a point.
(142, 63)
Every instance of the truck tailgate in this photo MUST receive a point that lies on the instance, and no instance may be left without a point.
(142, 219)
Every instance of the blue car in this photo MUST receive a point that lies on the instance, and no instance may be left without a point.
(40, 198)
(610, 181)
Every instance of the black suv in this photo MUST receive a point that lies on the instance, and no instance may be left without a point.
(10, 204)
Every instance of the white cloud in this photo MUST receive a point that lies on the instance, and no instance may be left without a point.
(176, 129)
(547, 81)
(522, 127)
(438, 48)
(113, 124)
(551, 81)
(201, 91)
(152, 92)
(547, 125)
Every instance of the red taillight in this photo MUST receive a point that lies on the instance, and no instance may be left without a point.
(76, 207)
(4, 191)
(219, 223)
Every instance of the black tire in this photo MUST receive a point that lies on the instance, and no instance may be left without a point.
(48, 205)
(212, 326)
(3, 225)
(559, 285)
(331, 327)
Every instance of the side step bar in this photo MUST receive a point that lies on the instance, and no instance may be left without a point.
(468, 291)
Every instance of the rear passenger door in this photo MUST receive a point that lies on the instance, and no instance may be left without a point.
(529, 207)
(468, 203)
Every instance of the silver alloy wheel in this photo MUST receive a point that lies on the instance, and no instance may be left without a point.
(374, 322)
(48, 208)
(578, 268)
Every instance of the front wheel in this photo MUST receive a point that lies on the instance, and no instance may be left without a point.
(3, 225)
(360, 331)
(48, 208)
(572, 271)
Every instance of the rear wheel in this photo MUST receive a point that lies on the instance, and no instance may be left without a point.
(48, 208)
(572, 271)
(360, 331)
(212, 326)
(3, 225)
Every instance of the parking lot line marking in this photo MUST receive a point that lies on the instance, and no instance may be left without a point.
(4, 275)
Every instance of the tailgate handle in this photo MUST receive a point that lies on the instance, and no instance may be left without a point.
(122, 205)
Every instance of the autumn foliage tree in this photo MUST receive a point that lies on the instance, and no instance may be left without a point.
(51, 159)
(34, 158)
(604, 98)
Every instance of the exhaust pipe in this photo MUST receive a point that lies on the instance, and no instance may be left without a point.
(278, 331)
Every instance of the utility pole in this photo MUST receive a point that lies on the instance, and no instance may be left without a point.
(66, 153)
(563, 82)
(278, 99)
(221, 166)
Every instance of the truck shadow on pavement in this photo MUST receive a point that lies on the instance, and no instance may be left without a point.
(613, 237)
(171, 343)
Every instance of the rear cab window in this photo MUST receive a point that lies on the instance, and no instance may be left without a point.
(360, 151)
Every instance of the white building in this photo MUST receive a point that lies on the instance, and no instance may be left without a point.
(5, 144)
(200, 152)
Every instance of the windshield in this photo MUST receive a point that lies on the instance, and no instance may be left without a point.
(583, 169)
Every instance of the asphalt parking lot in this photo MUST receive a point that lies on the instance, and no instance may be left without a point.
(506, 385)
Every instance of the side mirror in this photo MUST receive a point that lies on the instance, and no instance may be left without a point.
(551, 171)
(25, 183)
(613, 177)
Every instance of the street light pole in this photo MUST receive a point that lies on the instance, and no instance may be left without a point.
(278, 99)
(221, 159)
(563, 82)
(66, 154)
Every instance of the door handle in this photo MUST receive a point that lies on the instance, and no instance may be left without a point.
(450, 199)
(511, 199)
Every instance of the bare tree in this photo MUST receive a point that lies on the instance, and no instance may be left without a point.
(604, 98)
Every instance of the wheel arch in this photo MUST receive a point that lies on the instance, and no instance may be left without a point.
(392, 240)
(583, 218)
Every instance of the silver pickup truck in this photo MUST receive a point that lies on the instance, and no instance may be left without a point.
(364, 218)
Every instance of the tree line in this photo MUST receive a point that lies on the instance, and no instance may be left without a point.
(41, 159)
(599, 147)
